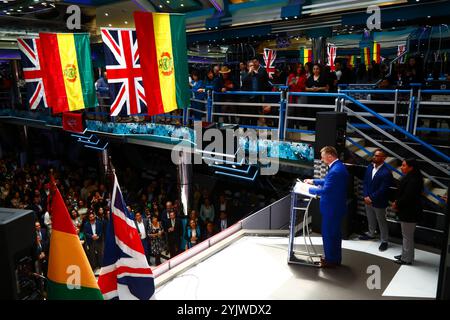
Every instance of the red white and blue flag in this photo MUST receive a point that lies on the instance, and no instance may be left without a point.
(125, 274)
(124, 71)
(331, 52)
(30, 52)
(269, 59)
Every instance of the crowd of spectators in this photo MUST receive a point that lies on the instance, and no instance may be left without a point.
(153, 204)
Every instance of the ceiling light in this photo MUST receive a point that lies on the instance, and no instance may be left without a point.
(106, 14)
(110, 25)
(30, 7)
(18, 10)
(429, 17)
(182, 4)
(5, 1)
(126, 22)
(160, 5)
(295, 17)
(168, 1)
(8, 13)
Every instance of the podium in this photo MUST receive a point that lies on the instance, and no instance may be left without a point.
(309, 257)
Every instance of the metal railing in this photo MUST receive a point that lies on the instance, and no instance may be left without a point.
(424, 105)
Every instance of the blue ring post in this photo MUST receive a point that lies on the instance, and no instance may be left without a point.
(209, 105)
(282, 116)
(412, 114)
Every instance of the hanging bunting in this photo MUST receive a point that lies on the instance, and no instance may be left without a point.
(269, 60)
(331, 51)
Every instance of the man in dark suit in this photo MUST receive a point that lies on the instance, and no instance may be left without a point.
(333, 205)
(174, 231)
(223, 222)
(41, 249)
(93, 230)
(377, 181)
(256, 79)
(142, 225)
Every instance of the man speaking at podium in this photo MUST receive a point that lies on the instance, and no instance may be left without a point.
(333, 196)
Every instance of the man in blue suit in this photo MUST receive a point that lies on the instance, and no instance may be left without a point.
(333, 205)
(377, 181)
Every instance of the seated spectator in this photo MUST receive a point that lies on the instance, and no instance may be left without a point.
(76, 220)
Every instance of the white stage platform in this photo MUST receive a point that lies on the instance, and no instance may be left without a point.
(256, 268)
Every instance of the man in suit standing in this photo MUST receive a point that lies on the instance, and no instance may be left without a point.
(94, 234)
(333, 197)
(377, 181)
(142, 225)
(223, 222)
(174, 230)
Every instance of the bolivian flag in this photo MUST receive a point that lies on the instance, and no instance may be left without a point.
(376, 56)
(70, 276)
(163, 57)
(305, 55)
(68, 71)
(351, 61)
(365, 54)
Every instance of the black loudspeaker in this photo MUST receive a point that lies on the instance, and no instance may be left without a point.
(331, 130)
(17, 238)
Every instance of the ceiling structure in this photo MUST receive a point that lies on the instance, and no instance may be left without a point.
(221, 21)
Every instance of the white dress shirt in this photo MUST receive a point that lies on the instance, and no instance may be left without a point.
(141, 228)
(94, 228)
(375, 170)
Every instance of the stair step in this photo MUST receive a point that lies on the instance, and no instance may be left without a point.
(307, 137)
(439, 192)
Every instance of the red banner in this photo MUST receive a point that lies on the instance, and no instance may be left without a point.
(73, 122)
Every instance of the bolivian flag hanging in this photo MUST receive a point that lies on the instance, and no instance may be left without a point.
(376, 52)
(305, 55)
(366, 57)
(68, 71)
(70, 276)
(163, 57)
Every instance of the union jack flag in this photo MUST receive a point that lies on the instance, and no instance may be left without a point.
(269, 59)
(31, 53)
(124, 71)
(331, 51)
(125, 274)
